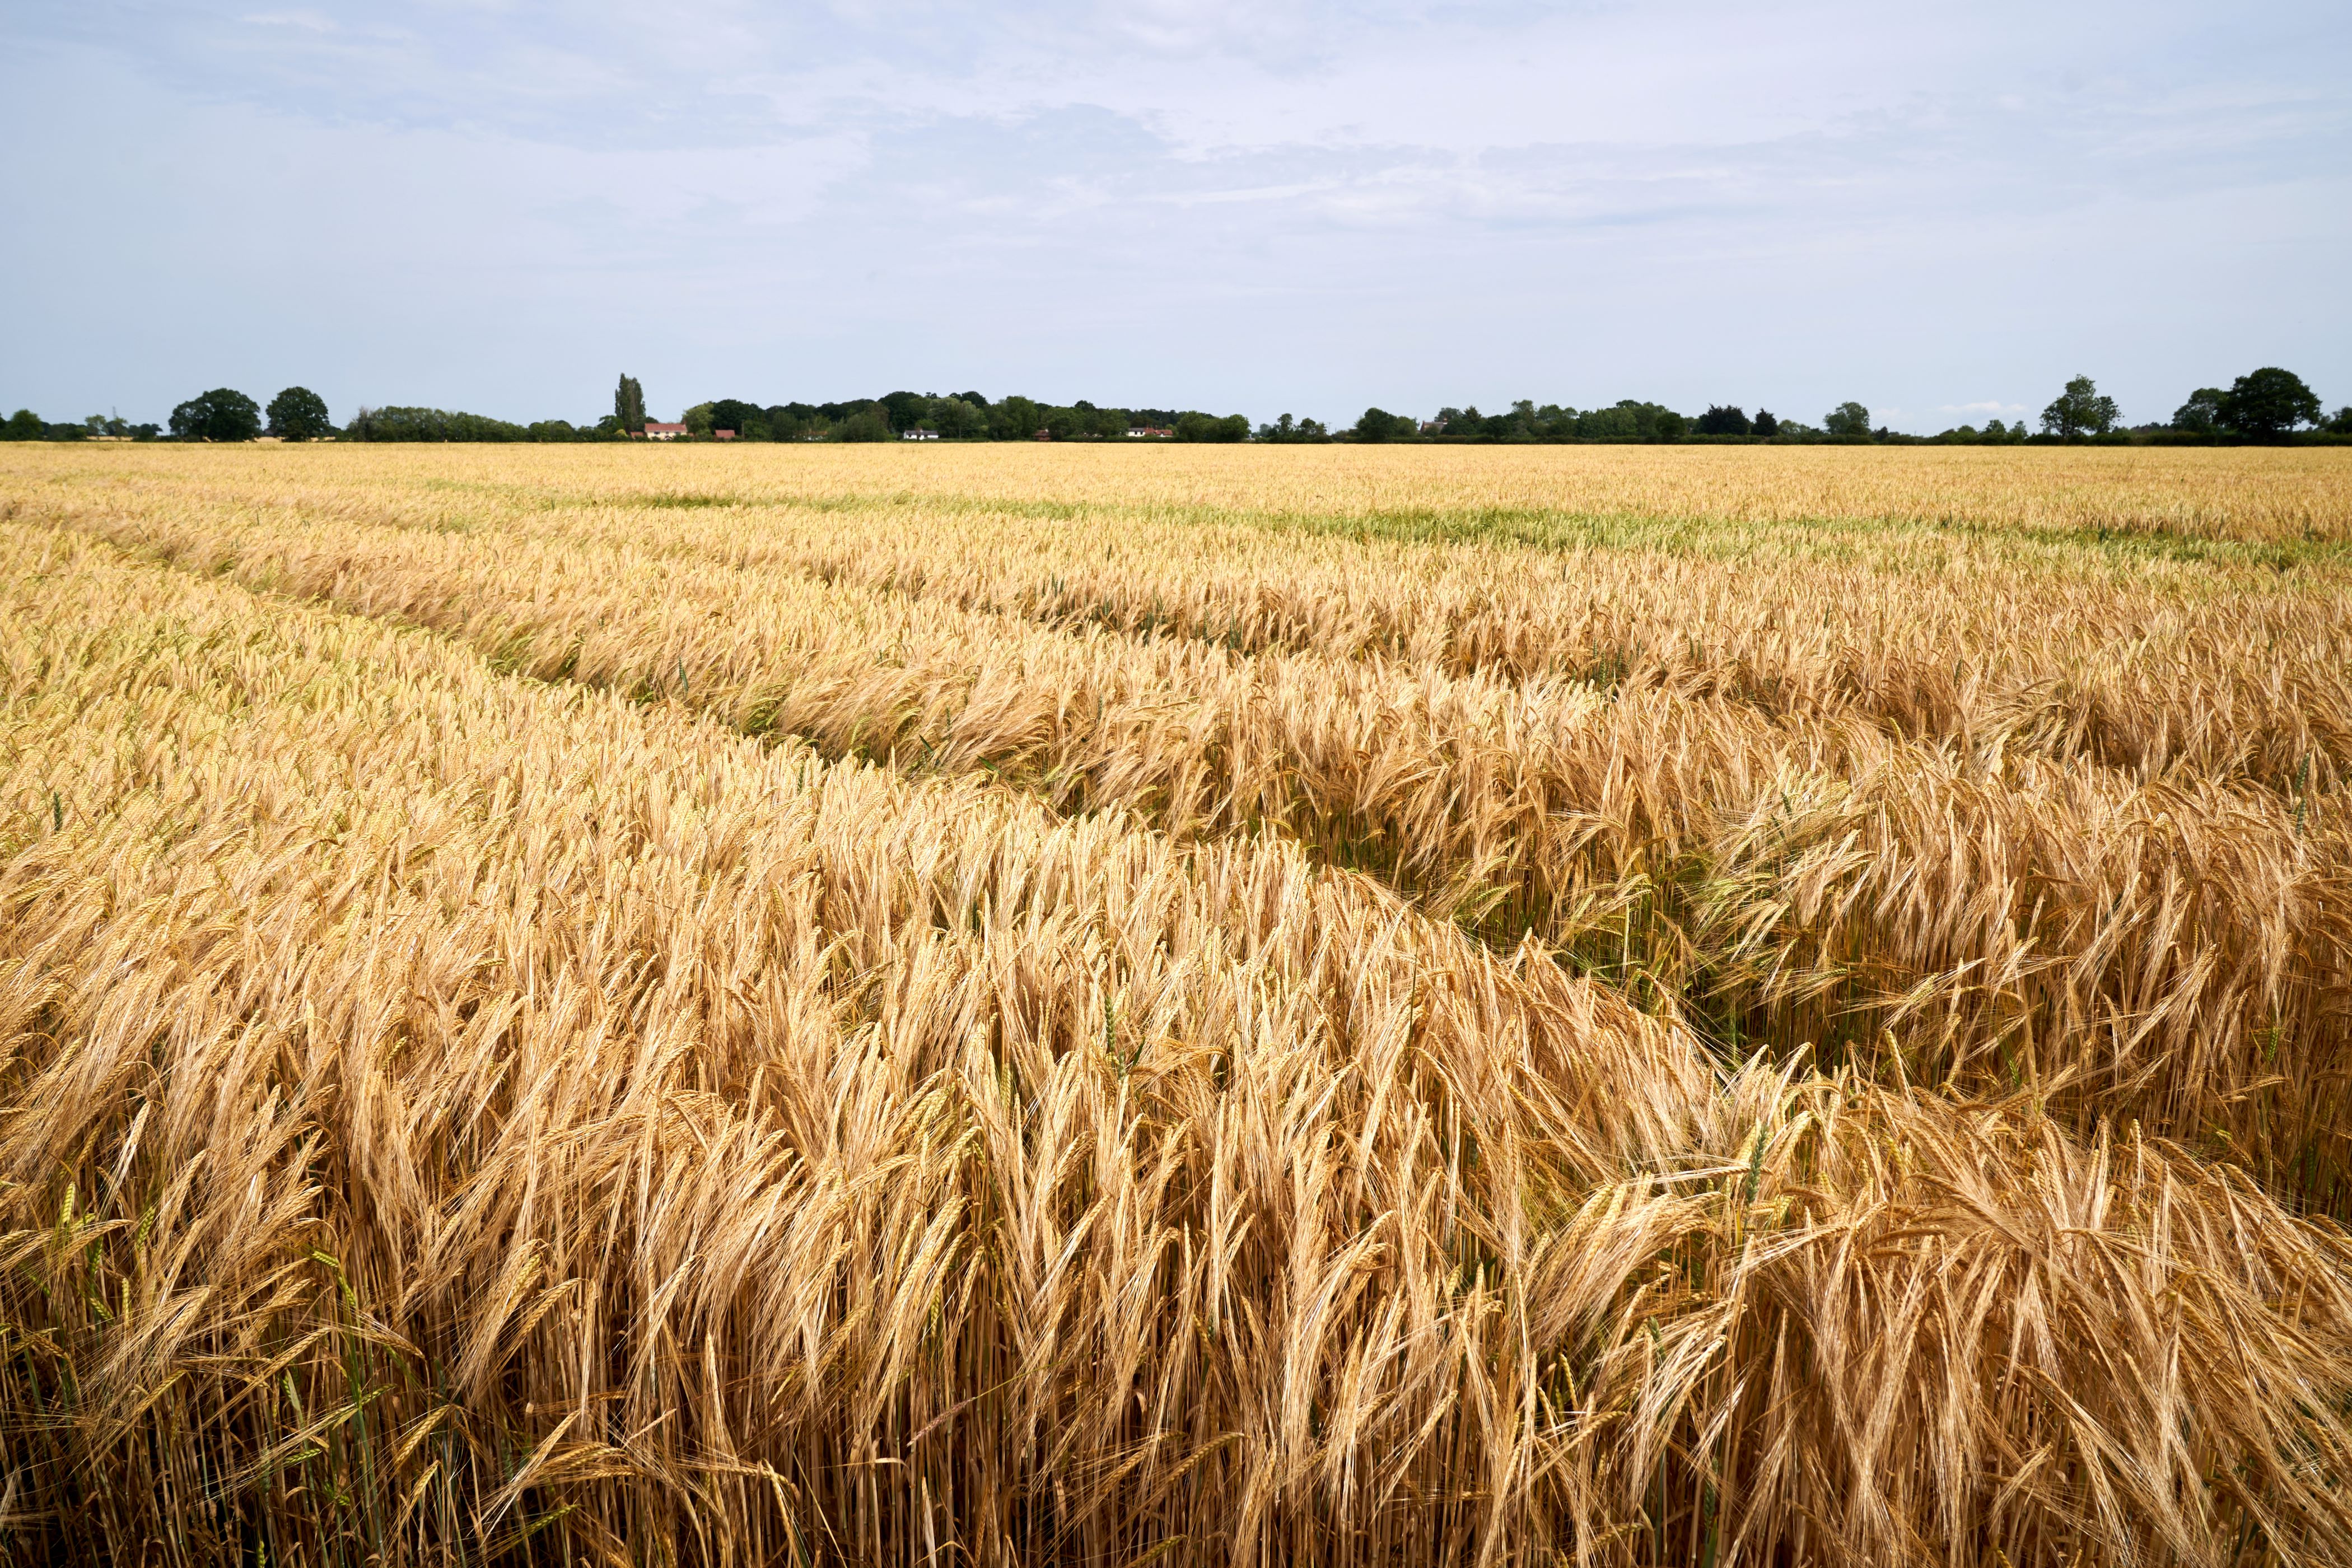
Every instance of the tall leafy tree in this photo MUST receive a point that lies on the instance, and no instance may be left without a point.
(1195, 426)
(1764, 424)
(1722, 420)
(23, 425)
(957, 417)
(220, 415)
(1847, 419)
(791, 421)
(429, 424)
(2080, 410)
(2205, 412)
(1069, 424)
(744, 418)
(629, 405)
(2269, 402)
(299, 414)
(1015, 419)
(904, 410)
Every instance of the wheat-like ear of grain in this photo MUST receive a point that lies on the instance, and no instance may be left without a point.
(449, 1115)
(2168, 948)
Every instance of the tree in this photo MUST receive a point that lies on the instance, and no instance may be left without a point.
(1288, 429)
(866, 426)
(959, 419)
(1195, 426)
(1072, 423)
(299, 414)
(220, 415)
(1620, 423)
(1669, 425)
(744, 418)
(1380, 425)
(2205, 412)
(1721, 420)
(1764, 424)
(629, 405)
(792, 421)
(429, 424)
(2080, 410)
(2269, 402)
(906, 410)
(1847, 419)
(1015, 419)
(2342, 423)
(23, 425)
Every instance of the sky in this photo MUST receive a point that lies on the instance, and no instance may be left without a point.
(1286, 205)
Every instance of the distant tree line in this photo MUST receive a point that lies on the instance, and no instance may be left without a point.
(2266, 404)
(957, 417)
(27, 425)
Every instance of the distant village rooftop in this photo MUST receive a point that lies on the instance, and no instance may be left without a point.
(656, 430)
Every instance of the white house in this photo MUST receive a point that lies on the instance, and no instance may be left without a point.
(919, 434)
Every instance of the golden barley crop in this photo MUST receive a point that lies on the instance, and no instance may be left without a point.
(1102, 1005)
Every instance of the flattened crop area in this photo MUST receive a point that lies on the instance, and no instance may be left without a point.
(1041, 1004)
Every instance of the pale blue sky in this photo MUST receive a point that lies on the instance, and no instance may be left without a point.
(1940, 211)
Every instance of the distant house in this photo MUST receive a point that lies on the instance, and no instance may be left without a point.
(919, 434)
(1044, 435)
(722, 434)
(1138, 432)
(655, 432)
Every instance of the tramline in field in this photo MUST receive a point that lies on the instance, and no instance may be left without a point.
(1327, 1005)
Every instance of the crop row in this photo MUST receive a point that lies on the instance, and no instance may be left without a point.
(449, 1113)
(2173, 950)
(2159, 665)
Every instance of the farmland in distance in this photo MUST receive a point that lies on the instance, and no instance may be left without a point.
(1061, 1004)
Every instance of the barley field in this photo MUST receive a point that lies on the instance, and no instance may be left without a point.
(1059, 1005)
